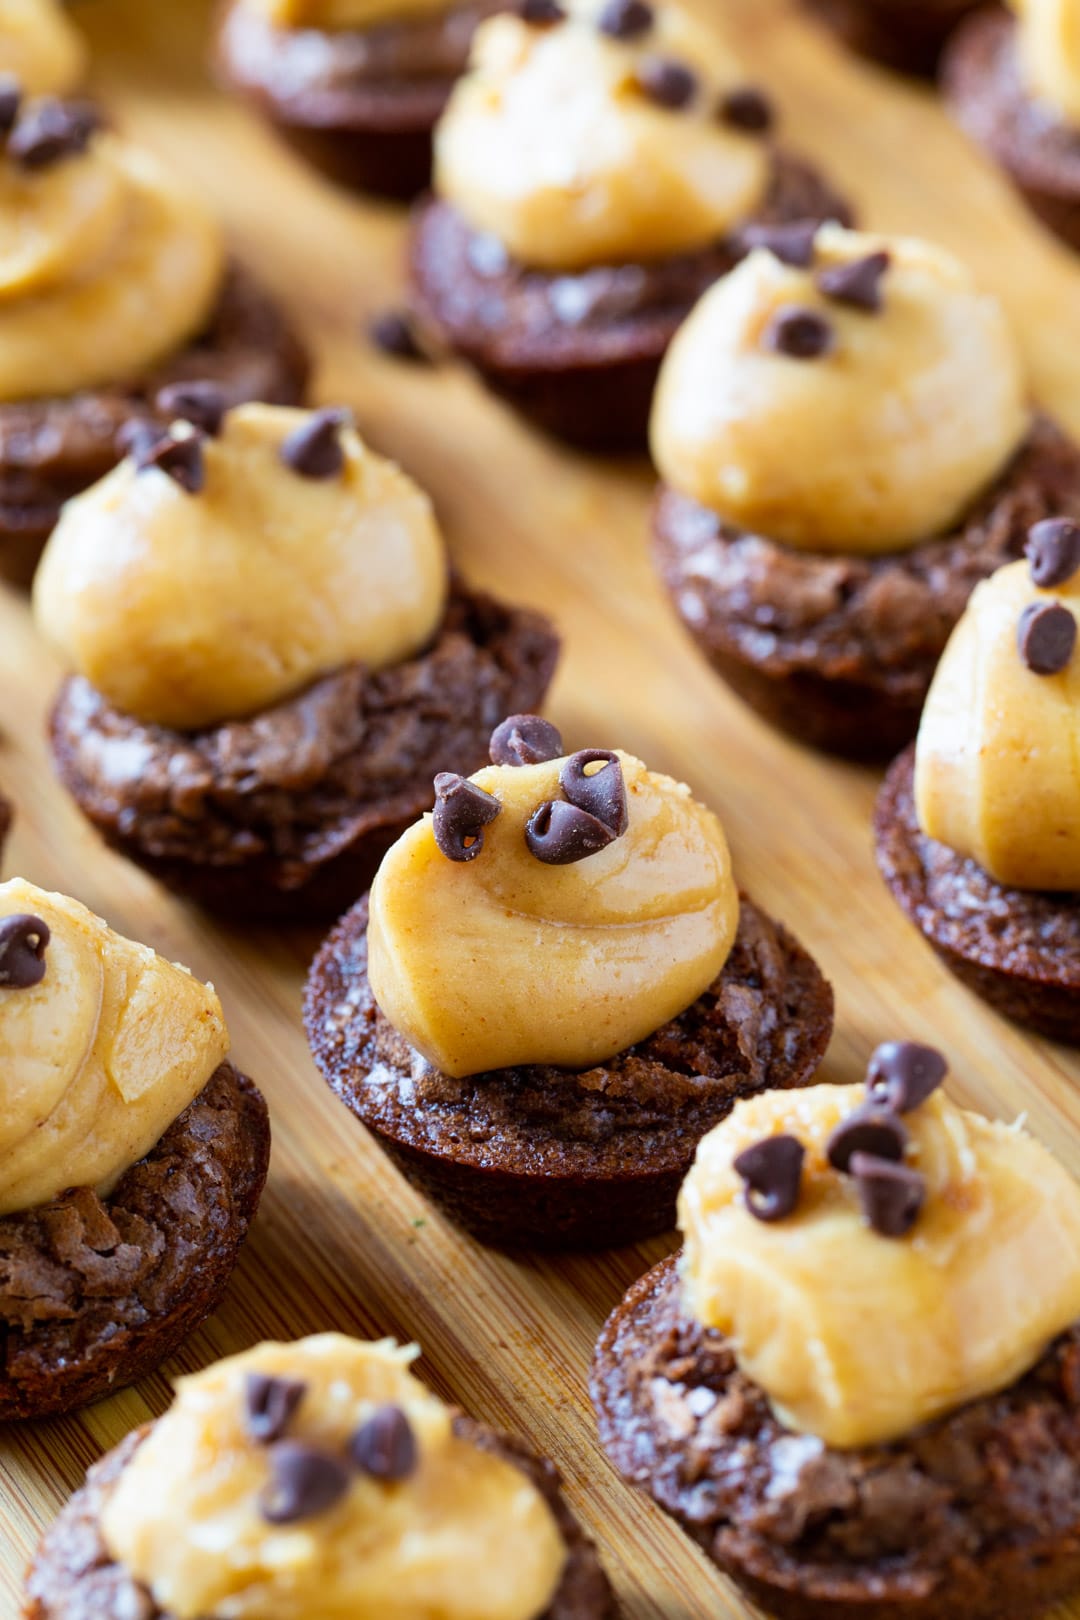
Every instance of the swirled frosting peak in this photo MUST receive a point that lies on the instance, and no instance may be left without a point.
(207, 578)
(857, 400)
(102, 1045)
(39, 47)
(1048, 35)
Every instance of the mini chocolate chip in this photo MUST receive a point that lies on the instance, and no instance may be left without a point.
(23, 939)
(560, 834)
(798, 333)
(1053, 550)
(602, 793)
(857, 283)
(792, 244)
(772, 1170)
(10, 102)
(525, 739)
(747, 108)
(385, 1446)
(462, 811)
(49, 130)
(541, 13)
(392, 332)
(1046, 637)
(626, 19)
(180, 458)
(203, 404)
(891, 1195)
(870, 1128)
(314, 449)
(269, 1404)
(667, 82)
(902, 1074)
(303, 1483)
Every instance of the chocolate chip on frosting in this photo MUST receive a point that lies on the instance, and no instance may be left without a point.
(1053, 552)
(23, 940)
(203, 404)
(747, 108)
(792, 244)
(891, 1195)
(541, 13)
(559, 833)
(269, 1404)
(462, 811)
(626, 19)
(48, 130)
(392, 332)
(1046, 637)
(667, 82)
(181, 459)
(603, 792)
(525, 739)
(772, 1170)
(304, 1482)
(10, 102)
(798, 333)
(385, 1446)
(903, 1074)
(857, 283)
(871, 1128)
(314, 450)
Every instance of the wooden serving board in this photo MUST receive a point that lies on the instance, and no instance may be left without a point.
(341, 1241)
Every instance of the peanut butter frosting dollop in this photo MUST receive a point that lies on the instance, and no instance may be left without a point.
(334, 16)
(503, 959)
(187, 609)
(40, 47)
(551, 144)
(458, 1534)
(909, 406)
(98, 1057)
(858, 1338)
(108, 264)
(1049, 43)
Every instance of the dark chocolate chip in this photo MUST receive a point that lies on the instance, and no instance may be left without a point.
(541, 13)
(269, 1404)
(747, 108)
(525, 739)
(49, 130)
(23, 940)
(626, 19)
(772, 1170)
(602, 793)
(667, 82)
(1046, 637)
(857, 283)
(10, 102)
(385, 1446)
(903, 1074)
(792, 244)
(314, 449)
(871, 1128)
(798, 333)
(180, 458)
(1053, 550)
(560, 834)
(392, 331)
(203, 404)
(462, 811)
(891, 1195)
(304, 1482)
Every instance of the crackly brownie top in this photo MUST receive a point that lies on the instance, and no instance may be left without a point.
(321, 1477)
(877, 1256)
(1048, 48)
(39, 48)
(551, 910)
(841, 392)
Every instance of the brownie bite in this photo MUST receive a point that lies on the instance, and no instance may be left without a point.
(300, 1478)
(904, 34)
(846, 448)
(553, 991)
(858, 1387)
(256, 714)
(137, 1155)
(978, 824)
(564, 296)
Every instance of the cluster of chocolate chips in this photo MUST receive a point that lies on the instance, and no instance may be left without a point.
(868, 1146)
(307, 1480)
(1046, 633)
(37, 134)
(560, 831)
(23, 942)
(796, 330)
(313, 450)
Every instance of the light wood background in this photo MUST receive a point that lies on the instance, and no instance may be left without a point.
(341, 1241)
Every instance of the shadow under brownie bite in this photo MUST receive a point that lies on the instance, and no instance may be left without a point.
(135, 1161)
(539, 1040)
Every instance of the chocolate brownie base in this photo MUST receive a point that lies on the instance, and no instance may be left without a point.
(287, 815)
(840, 650)
(975, 1517)
(1018, 949)
(97, 1292)
(1040, 152)
(579, 353)
(360, 105)
(74, 1578)
(536, 1157)
(52, 449)
(904, 34)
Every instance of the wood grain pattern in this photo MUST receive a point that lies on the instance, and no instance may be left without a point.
(342, 1242)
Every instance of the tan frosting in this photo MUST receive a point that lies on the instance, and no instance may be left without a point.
(997, 772)
(466, 1537)
(99, 1058)
(505, 960)
(879, 444)
(40, 47)
(107, 265)
(549, 144)
(336, 15)
(1049, 43)
(857, 1338)
(186, 610)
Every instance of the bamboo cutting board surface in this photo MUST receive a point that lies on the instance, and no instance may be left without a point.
(341, 1241)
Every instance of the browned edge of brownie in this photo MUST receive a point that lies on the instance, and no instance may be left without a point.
(96, 1293)
(907, 35)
